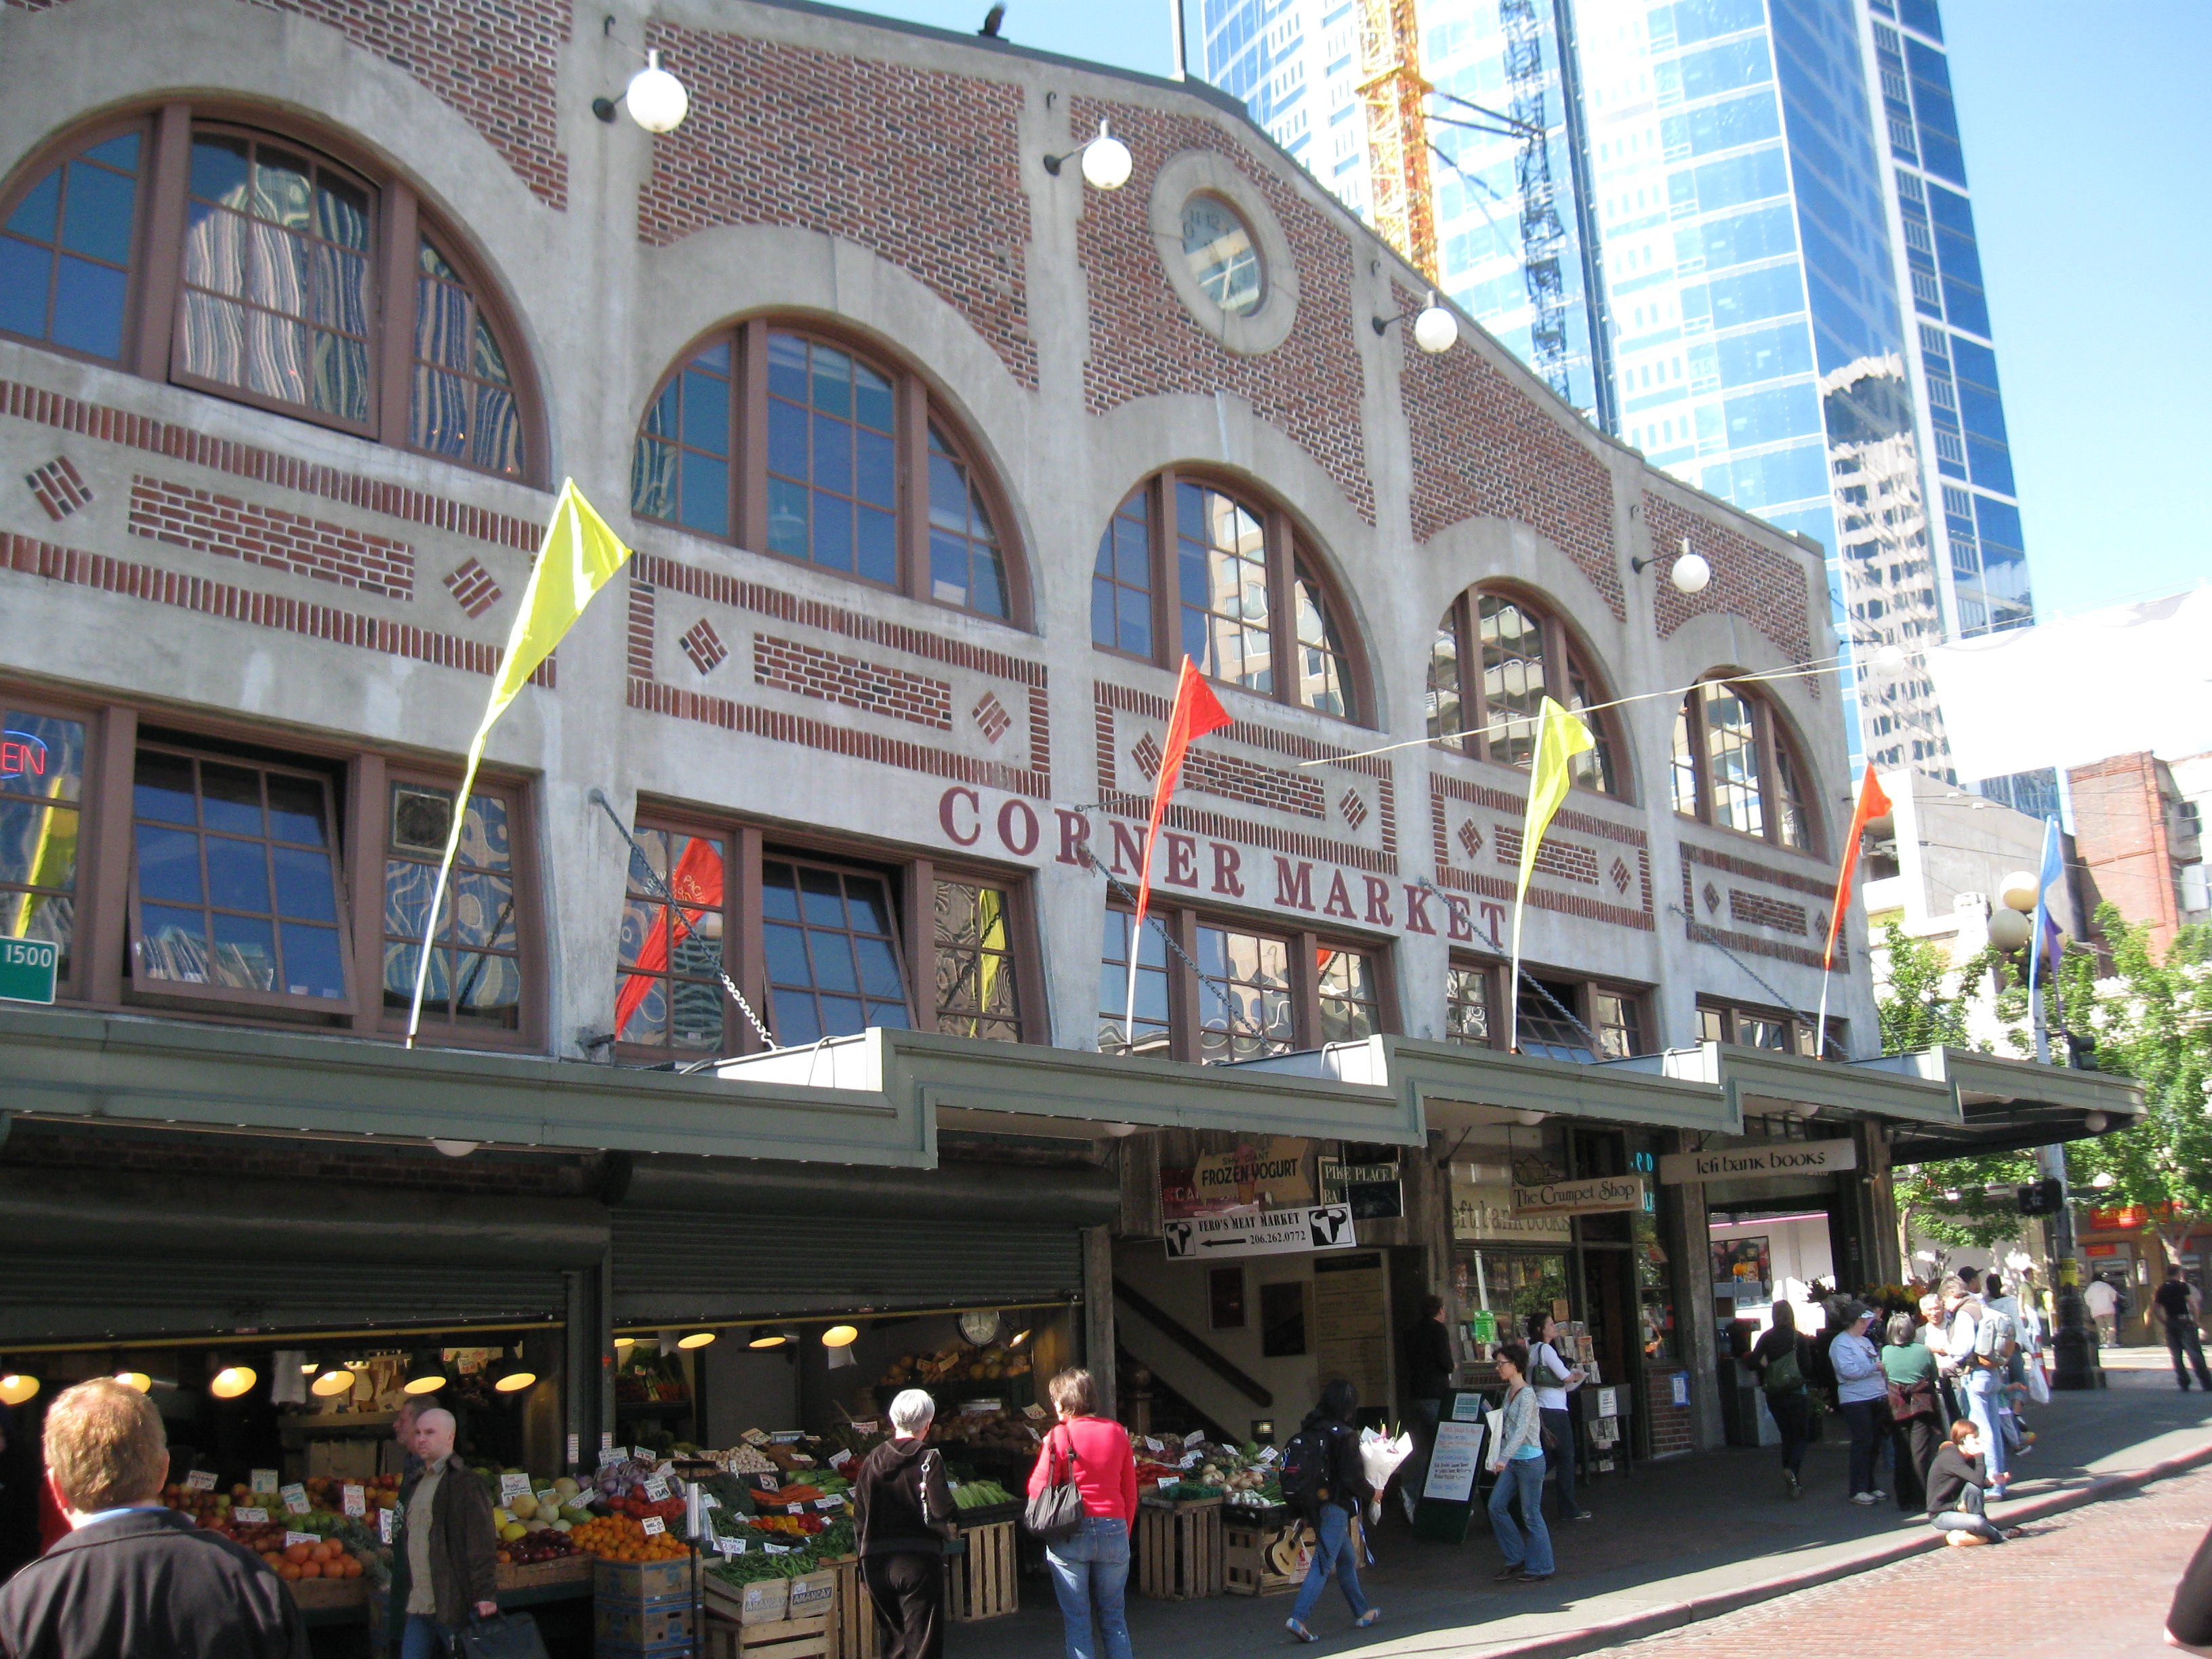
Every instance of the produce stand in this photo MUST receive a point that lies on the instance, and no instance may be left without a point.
(853, 1618)
(1179, 1549)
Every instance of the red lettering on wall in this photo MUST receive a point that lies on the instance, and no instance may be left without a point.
(1417, 909)
(1074, 837)
(1493, 919)
(1226, 860)
(1017, 829)
(1339, 899)
(1127, 841)
(1461, 925)
(1378, 902)
(959, 791)
(1293, 891)
(1183, 859)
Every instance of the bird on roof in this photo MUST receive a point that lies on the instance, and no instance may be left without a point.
(992, 19)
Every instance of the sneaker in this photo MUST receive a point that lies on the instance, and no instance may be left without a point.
(1864, 1499)
(1790, 1488)
(1367, 1619)
(1406, 1499)
(1879, 1494)
(1299, 1631)
(1582, 1514)
(1506, 1575)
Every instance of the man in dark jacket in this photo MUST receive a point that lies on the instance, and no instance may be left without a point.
(134, 1580)
(445, 1569)
(901, 1511)
(1430, 1369)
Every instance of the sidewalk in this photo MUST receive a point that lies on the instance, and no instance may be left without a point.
(1676, 1541)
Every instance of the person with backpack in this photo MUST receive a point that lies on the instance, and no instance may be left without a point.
(1324, 1483)
(1981, 1347)
(1861, 1389)
(1089, 1566)
(1517, 1460)
(1553, 1380)
(1777, 1358)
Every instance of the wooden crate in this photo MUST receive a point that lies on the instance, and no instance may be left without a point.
(545, 1575)
(1179, 1551)
(852, 1625)
(321, 1595)
(644, 1580)
(981, 1584)
(1246, 1569)
(787, 1638)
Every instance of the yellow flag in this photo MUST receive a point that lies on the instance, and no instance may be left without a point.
(1560, 736)
(578, 557)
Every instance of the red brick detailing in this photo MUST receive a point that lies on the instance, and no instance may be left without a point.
(1711, 895)
(1820, 886)
(1232, 777)
(1735, 938)
(1147, 753)
(59, 487)
(1621, 876)
(1485, 446)
(642, 607)
(1757, 910)
(319, 622)
(473, 587)
(1443, 791)
(234, 529)
(1111, 701)
(991, 717)
(779, 727)
(183, 443)
(1765, 588)
(922, 167)
(1470, 838)
(1353, 808)
(703, 646)
(1143, 343)
(788, 666)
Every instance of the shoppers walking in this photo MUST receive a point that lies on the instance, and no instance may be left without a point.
(1553, 1380)
(1331, 1486)
(1861, 1388)
(1430, 1369)
(1517, 1460)
(1908, 1368)
(135, 1580)
(2178, 1306)
(903, 1512)
(2103, 1304)
(445, 1571)
(1958, 1489)
(1090, 1570)
(1779, 1360)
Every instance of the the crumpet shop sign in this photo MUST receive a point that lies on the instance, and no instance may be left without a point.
(1782, 1157)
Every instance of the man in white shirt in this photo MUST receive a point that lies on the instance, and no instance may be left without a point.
(2103, 1303)
(1546, 1362)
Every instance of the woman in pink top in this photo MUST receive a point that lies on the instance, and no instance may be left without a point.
(1091, 1570)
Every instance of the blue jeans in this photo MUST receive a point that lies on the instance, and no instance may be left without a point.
(1090, 1572)
(1335, 1553)
(424, 1637)
(1521, 1477)
(1982, 1388)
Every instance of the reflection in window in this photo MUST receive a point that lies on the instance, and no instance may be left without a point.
(964, 566)
(65, 251)
(476, 965)
(1619, 1023)
(41, 791)
(1221, 562)
(463, 400)
(1244, 996)
(680, 470)
(277, 277)
(1734, 765)
(1791, 828)
(1121, 580)
(1732, 757)
(832, 485)
(833, 955)
(976, 994)
(669, 993)
(1493, 662)
(1547, 1023)
(1218, 248)
(1322, 674)
(236, 882)
(1351, 1004)
(1150, 1025)
(1513, 683)
(1466, 1007)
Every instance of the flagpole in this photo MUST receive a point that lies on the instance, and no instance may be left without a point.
(1521, 902)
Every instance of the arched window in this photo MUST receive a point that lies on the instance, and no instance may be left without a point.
(1497, 657)
(1735, 766)
(249, 264)
(773, 437)
(1190, 568)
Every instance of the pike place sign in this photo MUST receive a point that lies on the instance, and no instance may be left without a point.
(1780, 1157)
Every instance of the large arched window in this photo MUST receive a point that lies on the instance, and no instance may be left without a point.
(248, 263)
(1735, 766)
(1190, 568)
(1496, 657)
(774, 437)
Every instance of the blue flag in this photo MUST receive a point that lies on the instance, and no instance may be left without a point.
(2054, 865)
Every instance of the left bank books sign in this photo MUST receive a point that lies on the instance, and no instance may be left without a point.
(1273, 1232)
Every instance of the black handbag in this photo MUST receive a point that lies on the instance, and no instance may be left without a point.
(503, 1636)
(1056, 1514)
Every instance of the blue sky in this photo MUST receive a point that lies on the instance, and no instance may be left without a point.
(2088, 135)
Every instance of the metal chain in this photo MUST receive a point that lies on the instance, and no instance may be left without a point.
(1166, 938)
(1542, 989)
(1780, 1001)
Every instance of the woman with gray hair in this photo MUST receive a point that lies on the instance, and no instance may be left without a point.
(903, 1512)
(1915, 1412)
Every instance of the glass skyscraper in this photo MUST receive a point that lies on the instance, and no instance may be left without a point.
(1737, 234)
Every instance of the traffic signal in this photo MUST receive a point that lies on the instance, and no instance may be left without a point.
(2045, 1197)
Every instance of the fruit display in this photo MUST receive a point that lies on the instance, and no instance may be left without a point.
(533, 1549)
(624, 1538)
(328, 1559)
(955, 1362)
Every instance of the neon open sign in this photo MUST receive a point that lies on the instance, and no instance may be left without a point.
(23, 755)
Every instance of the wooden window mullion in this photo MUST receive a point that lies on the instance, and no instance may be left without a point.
(911, 400)
(1769, 771)
(748, 440)
(920, 943)
(1282, 599)
(1032, 1021)
(1185, 1003)
(1167, 616)
(393, 355)
(1701, 770)
(1470, 657)
(1306, 992)
(748, 963)
(160, 269)
(102, 947)
(367, 811)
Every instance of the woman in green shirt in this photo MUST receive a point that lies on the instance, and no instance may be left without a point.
(1915, 1409)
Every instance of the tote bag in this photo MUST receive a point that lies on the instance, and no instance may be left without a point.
(503, 1635)
(1056, 1514)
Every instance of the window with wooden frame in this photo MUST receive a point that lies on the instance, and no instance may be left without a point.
(776, 437)
(668, 991)
(478, 971)
(1579, 1019)
(1749, 1026)
(978, 990)
(1189, 567)
(1232, 992)
(197, 245)
(42, 780)
(1470, 999)
(1735, 765)
(1496, 657)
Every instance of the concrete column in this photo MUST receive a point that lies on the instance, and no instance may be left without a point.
(1689, 1248)
(1098, 1312)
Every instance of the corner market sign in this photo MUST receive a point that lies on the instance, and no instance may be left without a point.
(1781, 1157)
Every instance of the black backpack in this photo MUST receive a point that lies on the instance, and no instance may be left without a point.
(1308, 1470)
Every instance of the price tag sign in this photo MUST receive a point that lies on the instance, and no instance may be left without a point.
(511, 1486)
(1269, 1454)
(767, 1482)
(353, 1499)
(200, 1480)
(839, 1458)
(1191, 1460)
(263, 1480)
(707, 1500)
(295, 1498)
(656, 1487)
(754, 1437)
(831, 1502)
(387, 1523)
(613, 1455)
(548, 1499)
(654, 1526)
(787, 1436)
(864, 1426)
(575, 1455)
(1168, 1484)
(292, 1537)
(246, 1517)
(1151, 1444)
(781, 1549)
(606, 1439)
(732, 1546)
(1035, 1413)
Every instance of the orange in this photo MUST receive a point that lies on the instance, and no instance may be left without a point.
(296, 1553)
(311, 1570)
(288, 1571)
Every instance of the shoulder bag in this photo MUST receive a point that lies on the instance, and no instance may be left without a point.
(1056, 1514)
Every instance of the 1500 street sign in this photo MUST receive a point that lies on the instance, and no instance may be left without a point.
(27, 970)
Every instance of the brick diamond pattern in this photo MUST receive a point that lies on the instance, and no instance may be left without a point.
(991, 717)
(1147, 755)
(1470, 838)
(59, 487)
(1712, 898)
(473, 587)
(703, 646)
(1621, 875)
(1353, 808)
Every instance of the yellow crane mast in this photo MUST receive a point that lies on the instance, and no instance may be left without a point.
(1404, 208)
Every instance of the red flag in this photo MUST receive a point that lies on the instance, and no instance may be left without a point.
(1872, 804)
(1197, 712)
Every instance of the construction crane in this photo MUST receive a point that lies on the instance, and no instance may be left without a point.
(1396, 95)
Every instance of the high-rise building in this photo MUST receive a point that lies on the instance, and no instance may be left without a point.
(1736, 233)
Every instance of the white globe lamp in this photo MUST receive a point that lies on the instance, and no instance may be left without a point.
(1436, 330)
(656, 98)
(1690, 573)
(1106, 162)
(2018, 890)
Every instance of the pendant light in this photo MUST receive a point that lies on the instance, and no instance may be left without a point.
(766, 1338)
(511, 1375)
(138, 1380)
(233, 1381)
(694, 1338)
(426, 1372)
(17, 1386)
(332, 1381)
(841, 1336)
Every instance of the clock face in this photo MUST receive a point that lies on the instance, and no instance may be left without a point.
(980, 1325)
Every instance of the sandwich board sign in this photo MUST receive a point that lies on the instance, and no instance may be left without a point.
(1447, 1496)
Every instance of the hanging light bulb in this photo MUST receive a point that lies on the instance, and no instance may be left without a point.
(1690, 572)
(623, 1344)
(511, 1375)
(233, 1381)
(1106, 160)
(656, 98)
(17, 1387)
(841, 1336)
